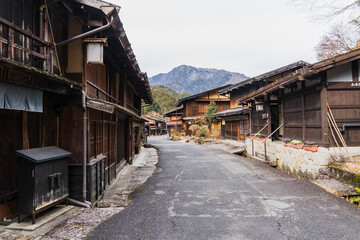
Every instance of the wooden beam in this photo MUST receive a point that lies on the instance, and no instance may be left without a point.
(12, 26)
(324, 100)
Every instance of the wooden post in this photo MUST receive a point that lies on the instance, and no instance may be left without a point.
(10, 43)
(323, 97)
(25, 131)
(269, 117)
(303, 117)
(282, 116)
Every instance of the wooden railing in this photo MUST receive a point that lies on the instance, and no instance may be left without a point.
(99, 91)
(133, 109)
(24, 47)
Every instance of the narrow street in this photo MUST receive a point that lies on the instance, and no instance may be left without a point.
(199, 193)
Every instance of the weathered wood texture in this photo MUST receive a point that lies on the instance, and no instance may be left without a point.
(302, 116)
(96, 74)
(232, 130)
(259, 120)
(10, 141)
(193, 108)
(345, 106)
(102, 141)
(238, 93)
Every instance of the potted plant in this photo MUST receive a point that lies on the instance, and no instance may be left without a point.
(256, 136)
(286, 142)
(310, 146)
(262, 137)
(297, 144)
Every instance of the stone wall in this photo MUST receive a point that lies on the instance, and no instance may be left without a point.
(309, 165)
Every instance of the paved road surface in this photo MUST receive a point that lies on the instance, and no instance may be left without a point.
(198, 193)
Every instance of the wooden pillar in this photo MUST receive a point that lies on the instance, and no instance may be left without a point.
(25, 131)
(269, 117)
(303, 117)
(324, 122)
(10, 43)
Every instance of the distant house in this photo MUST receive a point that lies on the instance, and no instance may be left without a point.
(174, 121)
(155, 125)
(252, 116)
(299, 101)
(196, 106)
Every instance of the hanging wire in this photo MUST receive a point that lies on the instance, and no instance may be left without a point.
(52, 36)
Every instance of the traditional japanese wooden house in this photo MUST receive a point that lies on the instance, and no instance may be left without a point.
(68, 78)
(299, 101)
(173, 120)
(249, 117)
(196, 106)
(155, 125)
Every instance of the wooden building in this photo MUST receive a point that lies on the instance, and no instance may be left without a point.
(70, 80)
(245, 118)
(302, 97)
(155, 125)
(173, 120)
(196, 106)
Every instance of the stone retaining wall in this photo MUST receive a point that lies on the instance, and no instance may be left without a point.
(310, 165)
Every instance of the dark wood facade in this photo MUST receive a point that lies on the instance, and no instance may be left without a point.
(302, 101)
(106, 95)
(196, 106)
(262, 113)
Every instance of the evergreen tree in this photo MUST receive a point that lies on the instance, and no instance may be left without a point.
(211, 110)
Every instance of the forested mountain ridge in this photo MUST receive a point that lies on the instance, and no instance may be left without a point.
(164, 100)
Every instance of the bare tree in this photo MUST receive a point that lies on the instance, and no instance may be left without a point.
(344, 35)
(340, 10)
(339, 40)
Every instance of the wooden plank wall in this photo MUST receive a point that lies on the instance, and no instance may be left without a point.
(10, 141)
(259, 120)
(232, 130)
(302, 116)
(96, 73)
(102, 140)
(345, 105)
(194, 108)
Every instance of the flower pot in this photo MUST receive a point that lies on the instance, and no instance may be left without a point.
(297, 146)
(287, 144)
(312, 148)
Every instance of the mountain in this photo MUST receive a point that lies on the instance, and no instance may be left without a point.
(195, 80)
(164, 100)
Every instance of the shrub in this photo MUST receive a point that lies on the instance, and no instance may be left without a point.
(194, 128)
(202, 131)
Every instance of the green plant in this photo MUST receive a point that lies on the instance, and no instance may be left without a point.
(296, 142)
(355, 199)
(308, 143)
(202, 130)
(286, 140)
(211, 110)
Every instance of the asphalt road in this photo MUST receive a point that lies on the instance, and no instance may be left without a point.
(199, 193)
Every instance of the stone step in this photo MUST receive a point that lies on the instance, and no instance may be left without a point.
(261, 155)
(345, 176)
(336, 187)
(261, 159)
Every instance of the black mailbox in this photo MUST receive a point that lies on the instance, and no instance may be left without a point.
(43, 179)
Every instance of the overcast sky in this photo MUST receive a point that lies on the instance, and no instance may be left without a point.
(250, 37)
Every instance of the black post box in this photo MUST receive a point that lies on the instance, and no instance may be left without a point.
(43, 179)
